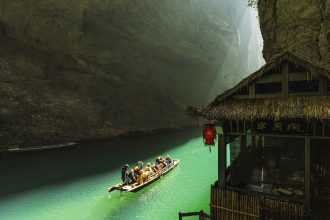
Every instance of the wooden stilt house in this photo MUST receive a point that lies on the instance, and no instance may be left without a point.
(274, 145)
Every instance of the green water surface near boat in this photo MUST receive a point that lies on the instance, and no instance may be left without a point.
(71, 184)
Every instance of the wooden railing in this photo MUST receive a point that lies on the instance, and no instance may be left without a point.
(202, 215)
(229, 204)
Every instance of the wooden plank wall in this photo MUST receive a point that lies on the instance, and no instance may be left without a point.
(231, 205)
(280, 209)
(320, 187)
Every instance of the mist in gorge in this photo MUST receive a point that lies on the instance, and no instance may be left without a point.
(90, 69)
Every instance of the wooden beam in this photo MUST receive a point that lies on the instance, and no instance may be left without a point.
(300, 76)
(241, 97)
(281, 135)
(270, 78)
(285, 79)
(221, 161)
(307, 172)
(270, 95)
(259, 96)
(323, 86)
(252, 90)
(304, 94)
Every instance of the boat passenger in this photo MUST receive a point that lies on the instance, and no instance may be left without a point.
(149, 168)
(147, 172)
(168, 159)
(136, 170)
(145, 176)
(137, 167)
(159, 158)
(140, 178)
(141, 164)
(124, 173)
(160, 165)
(157, 162)
(154, 168)
(131, 178)
(164, 163)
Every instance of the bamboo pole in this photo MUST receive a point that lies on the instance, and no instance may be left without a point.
(211, 202)
(220, 214)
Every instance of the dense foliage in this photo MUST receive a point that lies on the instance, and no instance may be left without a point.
(253, 3)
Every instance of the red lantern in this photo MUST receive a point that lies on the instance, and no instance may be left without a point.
(209, 134)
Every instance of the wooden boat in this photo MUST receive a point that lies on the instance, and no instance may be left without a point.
(18, 149)
(152, 178)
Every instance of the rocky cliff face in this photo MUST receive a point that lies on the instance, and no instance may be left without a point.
(301, 26)
(79, 69)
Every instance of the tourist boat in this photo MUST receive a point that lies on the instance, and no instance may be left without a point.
(152, 178)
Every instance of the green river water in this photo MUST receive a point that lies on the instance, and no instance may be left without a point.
(71, 184)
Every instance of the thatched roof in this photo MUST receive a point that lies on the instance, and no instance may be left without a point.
(281, 107)
(312, 107)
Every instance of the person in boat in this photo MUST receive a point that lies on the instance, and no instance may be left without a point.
(158, 159)
(149, 168)
(131, 178)
(140, 163)
(145, 175)
(154, 168)
(136, 170)
(168, 159)
(124, 173)
(142, 177)
(137, 167)
(163, 163)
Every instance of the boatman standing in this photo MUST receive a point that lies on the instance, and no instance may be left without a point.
(124, 173)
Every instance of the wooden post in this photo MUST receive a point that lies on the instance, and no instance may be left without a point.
(254, 142)
(180, 216)
(285, 79)
(307, 172)
(252, 90)
(243, 144)
(221, 161)
(323, 86)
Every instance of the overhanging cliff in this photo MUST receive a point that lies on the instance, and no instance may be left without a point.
(81, 69)
(300, 26)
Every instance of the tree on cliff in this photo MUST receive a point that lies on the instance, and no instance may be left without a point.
(253, 3)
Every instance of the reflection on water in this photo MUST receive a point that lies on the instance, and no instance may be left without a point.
(72, 184)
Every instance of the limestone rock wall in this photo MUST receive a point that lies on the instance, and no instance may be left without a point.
(77, 69)
(301, 26)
